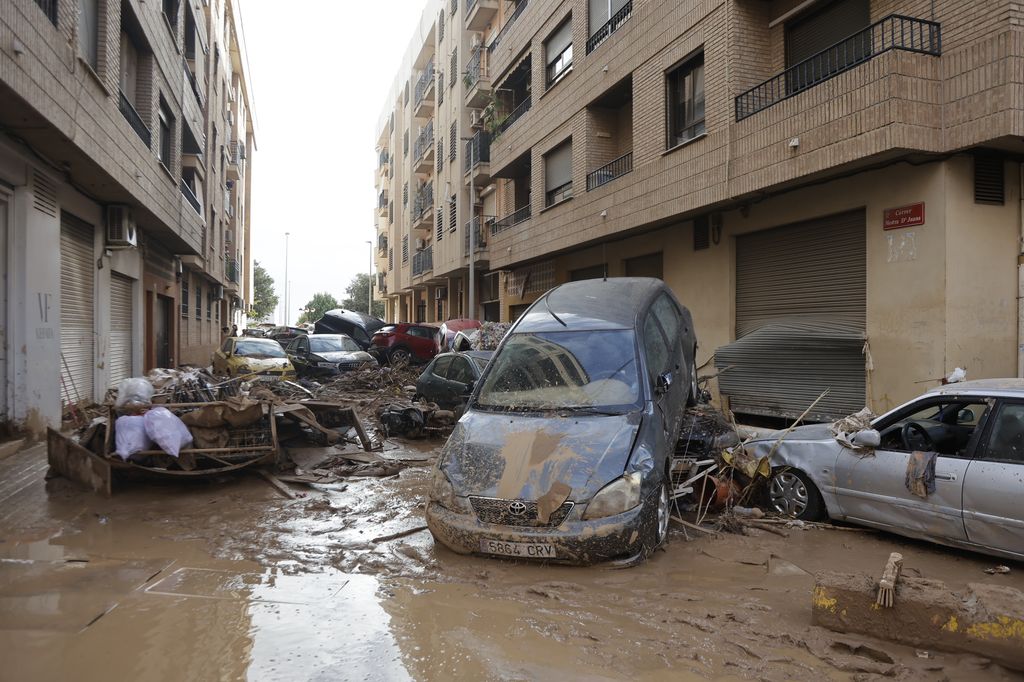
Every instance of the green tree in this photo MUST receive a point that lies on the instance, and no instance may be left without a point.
(317, 306)
(264, 300)
(358, 291)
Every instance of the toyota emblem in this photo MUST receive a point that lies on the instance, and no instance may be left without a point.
(517, 508)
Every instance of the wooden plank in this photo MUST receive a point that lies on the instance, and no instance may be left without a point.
(75, 463)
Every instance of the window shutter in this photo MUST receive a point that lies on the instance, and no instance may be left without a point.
(558, 167)
(558, 41)
(453, 141)
(599, 14)
(440, 154)
(701, 233)
(440, 26)
(808, 36)
(454, 213)
(989, 180)
(440, 223)
(454, 70)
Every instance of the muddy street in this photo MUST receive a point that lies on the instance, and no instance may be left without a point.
(230, 580)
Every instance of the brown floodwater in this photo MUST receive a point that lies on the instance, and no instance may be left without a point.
(228, 580)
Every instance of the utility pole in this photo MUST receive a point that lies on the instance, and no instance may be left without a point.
(287, 310)
(369, 288)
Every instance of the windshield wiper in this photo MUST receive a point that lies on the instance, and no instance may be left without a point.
(591, 411)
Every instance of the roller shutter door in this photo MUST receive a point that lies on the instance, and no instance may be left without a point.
(801, 309)
(76, 309)
(119, 358)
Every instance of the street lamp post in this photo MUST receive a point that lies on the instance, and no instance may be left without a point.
(369, 288)
(286, 308)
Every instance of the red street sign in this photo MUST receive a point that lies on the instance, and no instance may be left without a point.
(904, 216)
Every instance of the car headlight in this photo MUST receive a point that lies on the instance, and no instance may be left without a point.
(617, 497)
(443, 492)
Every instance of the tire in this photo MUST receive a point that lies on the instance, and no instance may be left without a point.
(694, 395)
(399, 355)
(792, 493)
(657, 533)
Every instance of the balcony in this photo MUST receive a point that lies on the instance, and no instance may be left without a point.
(508, 24)
(480, 13)
(478, 81)
(478, 159)
(423, 261)
(518, 216)
(610, 171)
(423, 148)
(481, 225)
(382, 204)
(423, 208)
(424, 92)
(512, 117)
(190, 197)
(609, 27)
(382, 283)
(382, 245)
(134, 120)
(236, 159)
(894, 32)
(383, 161)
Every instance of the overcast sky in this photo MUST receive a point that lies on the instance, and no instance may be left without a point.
(321, 70)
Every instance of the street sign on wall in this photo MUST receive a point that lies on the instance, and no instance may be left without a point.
(904, 216)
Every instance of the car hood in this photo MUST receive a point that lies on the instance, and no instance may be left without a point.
(346, 356)
(261, 364)
(511, 456)
(800, 433)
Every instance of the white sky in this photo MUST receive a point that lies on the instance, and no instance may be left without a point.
(320, 71)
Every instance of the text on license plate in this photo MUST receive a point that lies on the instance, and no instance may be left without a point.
(529, 550)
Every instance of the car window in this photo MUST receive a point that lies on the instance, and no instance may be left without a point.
(668, 315)
(1006, 441)
(460, 371)
(258, 348)
(564, 371)
(420, 332)
(441, 366)
(950, 424)
(293, 347)
(302, 343)
(654, 347)
(331, 344)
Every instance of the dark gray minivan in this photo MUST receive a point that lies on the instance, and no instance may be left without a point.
(564, 450)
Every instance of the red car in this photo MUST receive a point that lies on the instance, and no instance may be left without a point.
(404, 342)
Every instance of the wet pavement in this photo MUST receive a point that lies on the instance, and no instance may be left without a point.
(227, 579)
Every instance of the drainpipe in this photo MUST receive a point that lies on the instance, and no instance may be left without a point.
(1020, 279)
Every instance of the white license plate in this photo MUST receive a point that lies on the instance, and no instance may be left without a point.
(327, 365)
(526, 550)
(269, 378)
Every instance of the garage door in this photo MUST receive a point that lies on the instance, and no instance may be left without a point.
(119, 359)
(76, 308)
(4, 207)
(801, 308)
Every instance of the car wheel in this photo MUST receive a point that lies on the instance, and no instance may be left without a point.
(791, 493)
(399, 356)
(694, 397)
(664, 511)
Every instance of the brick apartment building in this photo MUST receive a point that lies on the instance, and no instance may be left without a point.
(125, 172)
(833, 187)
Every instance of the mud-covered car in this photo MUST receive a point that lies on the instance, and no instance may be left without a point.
(946, 467)
(564, 450)
(263, 359)
(450, 377)
(320, 355)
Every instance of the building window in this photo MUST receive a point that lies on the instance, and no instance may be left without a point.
(184, 294)
(171, 14)
(199, 301)
(454, 70)
(440, 224)
(391, 259)
(440, 87)
(405, 194)
(558, 174)
(166, 135)
(453, 141)
(405, 143)
(405, 249)
(558, 53)
(440, 154)
(453, 213)
(455, 6)
(209, 305)
(391, 213)
(88, 32)
(440, 26)
(49, 8)
(686, 101)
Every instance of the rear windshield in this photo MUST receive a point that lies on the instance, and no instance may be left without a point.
(259, 348)
(564, 370)
(331, 345)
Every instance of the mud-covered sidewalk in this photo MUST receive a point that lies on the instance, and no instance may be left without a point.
(226, 579)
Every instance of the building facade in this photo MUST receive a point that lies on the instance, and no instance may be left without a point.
(833, 187)
(125, 167)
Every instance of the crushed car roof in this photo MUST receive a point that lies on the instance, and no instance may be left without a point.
(591, 304)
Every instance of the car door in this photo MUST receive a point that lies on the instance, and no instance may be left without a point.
(460, 376)
(421, 342)
(871, 488)
(670, 319)
(432, 383)
(993, 513)
(298, 353)
(661, 378)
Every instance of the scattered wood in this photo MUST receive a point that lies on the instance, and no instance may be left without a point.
(766, 528)
(401, 534)
(694, 526)
(278, 485)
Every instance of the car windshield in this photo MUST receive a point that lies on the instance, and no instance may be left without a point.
(259, 348)
(570, 370)
(333, 344)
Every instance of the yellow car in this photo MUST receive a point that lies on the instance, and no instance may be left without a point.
(263, 358)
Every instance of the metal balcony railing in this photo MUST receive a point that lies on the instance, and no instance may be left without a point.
(423, 201)
(894, 32)
(425, 82)
(610, 171)
(481, 225)
(470, 4)
(232, 270)
(382, 199)
(423, 261)
(516, 114)
(477, 66)
(478, 150)
(236, 152)
(190, 196)
(49, 8)
(609, 27)
(424, 141)
(520, 215)
(383, 159)
(508, 24)
(133, 118)
(382, 244)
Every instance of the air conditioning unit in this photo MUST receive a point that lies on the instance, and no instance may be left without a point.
(441, 293)
(476, 118)
(121, 227)
(421, 244)
(218, 292)
(229, 236)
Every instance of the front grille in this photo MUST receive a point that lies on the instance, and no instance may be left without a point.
(355, 364)
(492, 510)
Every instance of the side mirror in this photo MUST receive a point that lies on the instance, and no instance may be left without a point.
(469, 388)
(663, 383)
(868, 438)
(965, 416)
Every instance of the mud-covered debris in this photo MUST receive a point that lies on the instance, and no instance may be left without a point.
(415, 420)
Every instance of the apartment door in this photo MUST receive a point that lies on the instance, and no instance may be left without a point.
(162, 331)
(122, 313)
(4, 210)
(77, 305)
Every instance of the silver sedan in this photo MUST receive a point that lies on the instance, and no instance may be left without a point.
(973, 498)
